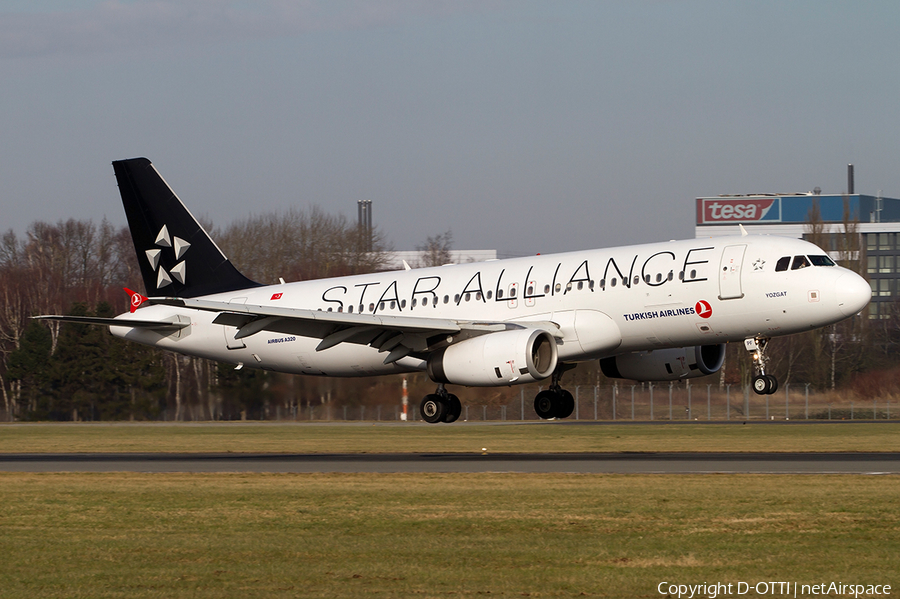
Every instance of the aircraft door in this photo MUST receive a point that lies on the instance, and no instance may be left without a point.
(730, 272)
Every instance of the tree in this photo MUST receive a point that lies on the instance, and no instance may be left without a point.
(29, 368)
(436, 250)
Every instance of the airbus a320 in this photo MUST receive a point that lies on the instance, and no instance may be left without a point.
(654, 312)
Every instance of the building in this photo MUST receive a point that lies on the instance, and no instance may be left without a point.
(871, 246)
(416, 258)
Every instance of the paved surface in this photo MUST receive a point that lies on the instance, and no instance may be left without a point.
(674, 463)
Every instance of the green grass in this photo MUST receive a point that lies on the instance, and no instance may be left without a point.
(418, 437)
(437, 535)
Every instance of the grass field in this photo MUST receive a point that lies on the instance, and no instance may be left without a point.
(423, 438)
(430, 535)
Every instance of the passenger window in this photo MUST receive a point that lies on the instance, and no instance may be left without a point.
(799, 262)
(546, 289)
(580, 285)
(499, 294)
(613, 282)
(468, 296)
(402, 303)
(350, 309)
(782, 264)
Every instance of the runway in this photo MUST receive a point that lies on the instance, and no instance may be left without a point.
(587, 463)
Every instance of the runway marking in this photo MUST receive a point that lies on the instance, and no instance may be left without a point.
(582, 463)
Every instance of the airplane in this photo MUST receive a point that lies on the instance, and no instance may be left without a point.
(652, 312)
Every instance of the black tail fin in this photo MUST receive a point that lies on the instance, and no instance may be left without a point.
(177, 257)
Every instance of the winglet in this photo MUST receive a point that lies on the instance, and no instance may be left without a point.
(136, 299)
(406, 265)
(743, 230)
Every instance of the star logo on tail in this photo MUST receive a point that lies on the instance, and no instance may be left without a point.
(180, 248)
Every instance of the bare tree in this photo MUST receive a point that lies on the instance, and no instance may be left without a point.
(436, 250)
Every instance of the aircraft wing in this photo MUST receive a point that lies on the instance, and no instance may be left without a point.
(399, 335)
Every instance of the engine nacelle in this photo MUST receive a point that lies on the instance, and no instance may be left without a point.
(665, 364)
(496, 359)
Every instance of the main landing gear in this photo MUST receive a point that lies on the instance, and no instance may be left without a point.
(555, 402)
(763, 384)
(440, 406)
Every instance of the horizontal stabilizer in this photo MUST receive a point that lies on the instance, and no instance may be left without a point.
(159, 325)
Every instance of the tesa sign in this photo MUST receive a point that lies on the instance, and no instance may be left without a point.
(738, 210)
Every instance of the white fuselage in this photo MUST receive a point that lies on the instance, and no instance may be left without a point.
(674, 294)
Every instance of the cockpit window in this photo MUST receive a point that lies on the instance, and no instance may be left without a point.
(782, 263)
(799, 262)
(821, 261)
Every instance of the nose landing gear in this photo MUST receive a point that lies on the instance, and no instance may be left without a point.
(763, 384)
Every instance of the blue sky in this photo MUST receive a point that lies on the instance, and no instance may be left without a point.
(521, 126)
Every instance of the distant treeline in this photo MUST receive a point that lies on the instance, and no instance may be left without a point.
(53, 371)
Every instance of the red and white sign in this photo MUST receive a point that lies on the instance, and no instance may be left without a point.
(703, 309)
(738, 210)
(276, 296)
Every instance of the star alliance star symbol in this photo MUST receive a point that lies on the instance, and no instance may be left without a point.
(758, 264)
(180, 246)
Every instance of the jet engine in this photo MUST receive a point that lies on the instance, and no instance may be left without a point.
(665, 364)
(495, 359)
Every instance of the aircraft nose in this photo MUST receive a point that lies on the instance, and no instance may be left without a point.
(852, 292)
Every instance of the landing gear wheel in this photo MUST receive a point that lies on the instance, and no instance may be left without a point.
(761, 384)
(545, 404)
(566, 404)
(433, 408)
(454, 409)
(554, 403)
